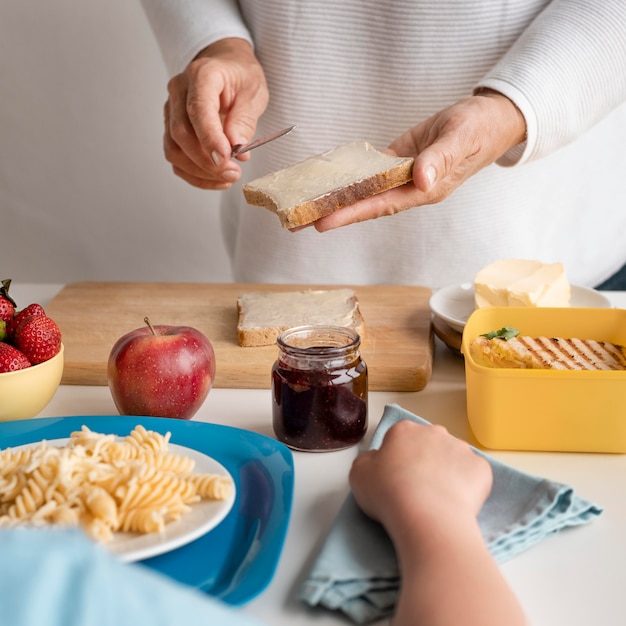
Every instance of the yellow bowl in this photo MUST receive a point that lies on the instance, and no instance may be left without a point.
(549, 410)
(25, 393)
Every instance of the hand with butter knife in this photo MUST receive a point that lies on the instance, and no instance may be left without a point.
(213, 105)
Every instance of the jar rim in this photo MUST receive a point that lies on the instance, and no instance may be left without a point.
(350, 338)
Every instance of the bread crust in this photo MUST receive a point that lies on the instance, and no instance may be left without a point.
(311, 210)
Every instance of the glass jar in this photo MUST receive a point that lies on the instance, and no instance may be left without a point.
(319, 388)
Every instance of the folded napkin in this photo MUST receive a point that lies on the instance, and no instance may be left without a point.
(357, 572)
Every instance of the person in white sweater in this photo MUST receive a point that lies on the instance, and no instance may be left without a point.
(514, 109)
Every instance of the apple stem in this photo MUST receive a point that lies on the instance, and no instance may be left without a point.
(147, 321)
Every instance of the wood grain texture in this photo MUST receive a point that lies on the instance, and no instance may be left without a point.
(397, 347)
(448, 335)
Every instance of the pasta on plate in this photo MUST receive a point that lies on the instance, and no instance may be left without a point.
(103, 483)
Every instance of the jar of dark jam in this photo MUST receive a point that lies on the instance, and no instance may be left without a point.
(319, 388)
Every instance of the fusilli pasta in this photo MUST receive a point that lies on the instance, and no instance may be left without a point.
(136, 484)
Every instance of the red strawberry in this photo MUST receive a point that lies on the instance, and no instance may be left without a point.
(38, 337)
(7, 304)
(7, 310)
(29, 311)
(11, 359)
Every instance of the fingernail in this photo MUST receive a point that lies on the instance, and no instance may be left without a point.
(431, 175)
(231, 176)
(217, 158)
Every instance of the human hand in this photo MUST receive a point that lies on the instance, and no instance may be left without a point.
(419, 476)
(449, 147)
(213, 104)
(426, 488)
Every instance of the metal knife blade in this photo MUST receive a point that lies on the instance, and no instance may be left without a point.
(241, 148)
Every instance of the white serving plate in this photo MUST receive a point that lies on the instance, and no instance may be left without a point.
(203, 517)
(454, 304)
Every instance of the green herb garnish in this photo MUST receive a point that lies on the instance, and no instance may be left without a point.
(506, 333)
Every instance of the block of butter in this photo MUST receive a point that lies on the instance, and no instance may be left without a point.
(522, 282)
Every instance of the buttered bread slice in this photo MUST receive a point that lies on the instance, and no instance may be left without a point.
(264, 315)
(304, 192)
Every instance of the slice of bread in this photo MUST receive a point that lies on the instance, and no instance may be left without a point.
(264, 315)
(304, 192)
(557, 353)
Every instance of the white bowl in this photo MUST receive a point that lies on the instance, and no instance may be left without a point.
(455, 304)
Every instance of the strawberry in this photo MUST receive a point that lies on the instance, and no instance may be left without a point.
(29, 311)
(7, 304)
(7, 310)
(11, 359)
(38, 337)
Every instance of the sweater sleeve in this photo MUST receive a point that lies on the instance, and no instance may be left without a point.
(58, 577)
(565, 73)
(185, 27)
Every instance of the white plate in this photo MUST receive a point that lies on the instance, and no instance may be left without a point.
(455, 304)
(203, 517)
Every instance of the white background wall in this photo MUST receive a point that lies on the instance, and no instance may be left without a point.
(85, 192)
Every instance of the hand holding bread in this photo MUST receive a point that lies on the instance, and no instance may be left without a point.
(449, 148)
(355, 182)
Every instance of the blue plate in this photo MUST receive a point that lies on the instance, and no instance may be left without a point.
(237, 559)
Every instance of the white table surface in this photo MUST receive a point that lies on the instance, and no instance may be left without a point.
(576, 577)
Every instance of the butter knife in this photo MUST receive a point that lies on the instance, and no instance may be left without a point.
(240, 148)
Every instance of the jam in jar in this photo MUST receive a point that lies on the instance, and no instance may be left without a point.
(319, 388)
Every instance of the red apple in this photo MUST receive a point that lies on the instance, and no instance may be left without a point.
(161, 371)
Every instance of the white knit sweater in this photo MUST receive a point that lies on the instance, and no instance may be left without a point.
(347, 70)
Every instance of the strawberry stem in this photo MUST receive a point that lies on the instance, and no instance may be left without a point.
(147, 321)
(4, 291)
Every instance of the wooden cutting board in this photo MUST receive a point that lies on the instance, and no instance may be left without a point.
(398, 343)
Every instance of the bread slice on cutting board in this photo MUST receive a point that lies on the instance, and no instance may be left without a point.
(302, 193)
(262, 316)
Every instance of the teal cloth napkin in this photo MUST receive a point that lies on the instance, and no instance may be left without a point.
(356, 570)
